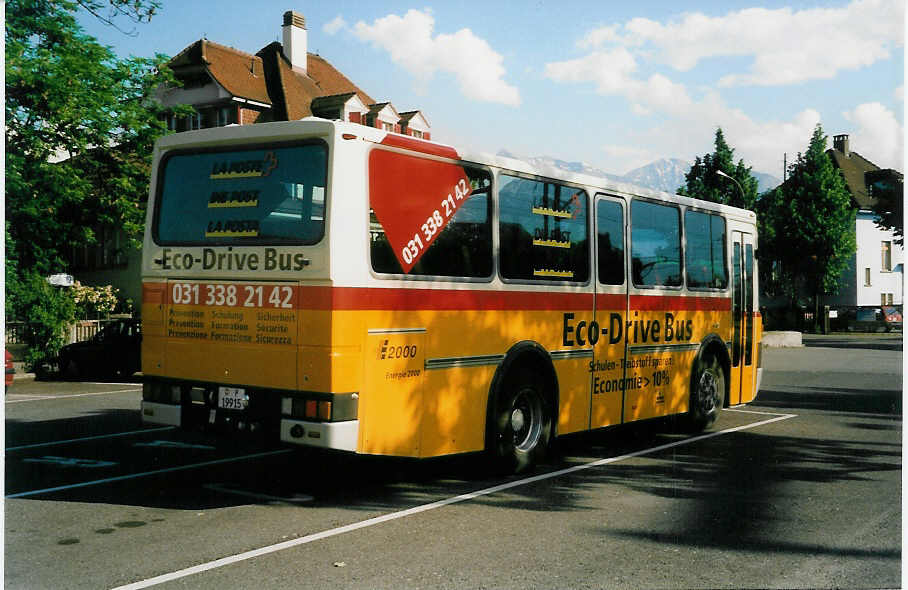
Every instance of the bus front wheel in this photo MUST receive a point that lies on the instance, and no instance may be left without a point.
(707, 393)
(522, 423)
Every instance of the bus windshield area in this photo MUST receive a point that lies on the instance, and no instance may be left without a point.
(269, 195)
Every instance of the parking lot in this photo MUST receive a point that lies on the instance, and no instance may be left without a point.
(800, 489)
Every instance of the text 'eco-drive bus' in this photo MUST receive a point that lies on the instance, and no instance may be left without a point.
(338, 286)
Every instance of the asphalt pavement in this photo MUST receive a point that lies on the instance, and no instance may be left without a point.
(800, 489)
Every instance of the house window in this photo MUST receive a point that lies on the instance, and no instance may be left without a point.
(387, 126)
(889, 298)
(416, 134)
(866, 277)
(224, 116)
(887, 256)
(195, 121)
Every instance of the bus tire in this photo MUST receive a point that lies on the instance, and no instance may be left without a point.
(522, 423)
(707, 393)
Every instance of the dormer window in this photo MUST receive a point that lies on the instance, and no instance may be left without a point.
(387, 126)
(417, 134)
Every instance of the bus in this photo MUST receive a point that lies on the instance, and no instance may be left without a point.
(327, 284)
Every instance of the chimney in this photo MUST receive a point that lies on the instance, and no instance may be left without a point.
(294, 30)
(840, 142)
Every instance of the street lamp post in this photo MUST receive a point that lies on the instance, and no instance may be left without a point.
(738, 184)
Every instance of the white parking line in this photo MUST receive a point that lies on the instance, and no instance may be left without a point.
(146, 473)
(84, 438)
(44, 397)
(426, 507)
(738, 409)
(294, 499)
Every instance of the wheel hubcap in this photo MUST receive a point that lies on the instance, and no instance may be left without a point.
(526, 420)
(517, 420)
(709, 392)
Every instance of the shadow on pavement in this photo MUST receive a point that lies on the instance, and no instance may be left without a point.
(832, 399)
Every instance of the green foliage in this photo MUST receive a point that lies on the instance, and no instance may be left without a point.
(80, 126)
(137, 11)
(888, 190)
(47, 312)
(703, 182)
(807, 224)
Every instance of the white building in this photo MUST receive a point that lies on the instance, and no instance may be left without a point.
(875, 275)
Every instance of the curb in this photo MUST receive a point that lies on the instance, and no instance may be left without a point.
(782, 339)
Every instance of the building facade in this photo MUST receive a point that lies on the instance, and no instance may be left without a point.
(875, 275)
(281, 82)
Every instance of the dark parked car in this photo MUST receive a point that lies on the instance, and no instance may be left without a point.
(115, 351)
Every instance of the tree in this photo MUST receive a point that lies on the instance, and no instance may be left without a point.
(888, 190)
(702, 181)
(812, 224)
(80, 126)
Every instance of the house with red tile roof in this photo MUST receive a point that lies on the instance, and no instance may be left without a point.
(281, 82)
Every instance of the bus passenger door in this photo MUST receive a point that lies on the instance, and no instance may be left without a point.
(743, 375)
(611, 284)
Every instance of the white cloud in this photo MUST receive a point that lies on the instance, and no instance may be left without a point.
(612, 72)
(335, 25)
(879, 136)
(409, 41)
(786, 46)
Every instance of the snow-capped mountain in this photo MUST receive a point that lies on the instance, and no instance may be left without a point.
(663, 175)
(543, 162)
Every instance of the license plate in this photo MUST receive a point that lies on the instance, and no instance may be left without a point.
(232, 398)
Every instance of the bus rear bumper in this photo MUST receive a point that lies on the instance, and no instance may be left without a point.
(164, 414)
(342, 436)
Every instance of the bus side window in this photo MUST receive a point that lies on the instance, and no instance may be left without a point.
(463, 248)
(655, 244)
(610, 242)
(704, 259)
(543, 231)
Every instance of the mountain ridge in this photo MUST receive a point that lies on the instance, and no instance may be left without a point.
(664, 174)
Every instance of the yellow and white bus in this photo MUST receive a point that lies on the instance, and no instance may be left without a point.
(332, 285)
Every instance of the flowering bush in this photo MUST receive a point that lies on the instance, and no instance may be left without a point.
(94, 301)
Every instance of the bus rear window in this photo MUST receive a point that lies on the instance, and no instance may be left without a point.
(269, 195)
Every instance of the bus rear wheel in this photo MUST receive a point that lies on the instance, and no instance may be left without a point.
(707, 393)
(522, 428)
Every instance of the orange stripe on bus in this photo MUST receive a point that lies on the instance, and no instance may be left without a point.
(397, 299)
(154, 292)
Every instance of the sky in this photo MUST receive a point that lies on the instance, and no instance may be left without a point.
(616, 85)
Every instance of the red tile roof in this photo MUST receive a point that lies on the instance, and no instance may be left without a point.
(266, 77)
(240, 73)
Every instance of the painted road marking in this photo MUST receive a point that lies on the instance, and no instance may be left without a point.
(44, 397)
(294, 499)
(203, 567)
(70, 462)
(84, 438)
(147, 473)
(173, 444)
